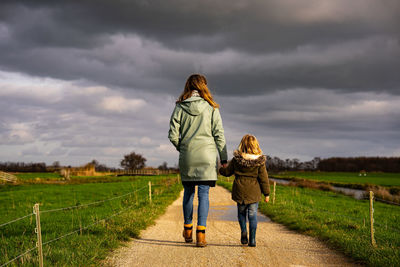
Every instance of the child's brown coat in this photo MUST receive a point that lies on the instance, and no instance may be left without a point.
(251, 178)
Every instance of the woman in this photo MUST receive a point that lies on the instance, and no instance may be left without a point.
(197, 133)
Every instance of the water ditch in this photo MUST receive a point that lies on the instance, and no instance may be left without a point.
(356, 193)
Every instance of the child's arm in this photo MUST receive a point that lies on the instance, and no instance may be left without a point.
(263, 180)
(227, 171)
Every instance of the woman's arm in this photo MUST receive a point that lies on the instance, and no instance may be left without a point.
(174, 126)
(218, 134)
(263, 180)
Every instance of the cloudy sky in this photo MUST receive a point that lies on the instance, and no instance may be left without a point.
(83, 80)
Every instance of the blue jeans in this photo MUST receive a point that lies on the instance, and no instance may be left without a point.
(202, 211)
(250, 211)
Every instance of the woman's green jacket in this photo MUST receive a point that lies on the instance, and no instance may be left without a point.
(197, 133)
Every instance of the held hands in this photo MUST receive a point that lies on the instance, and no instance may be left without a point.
(224, 163)
(266, 199)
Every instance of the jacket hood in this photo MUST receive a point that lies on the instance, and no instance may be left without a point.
(194, 105)
(249, 160)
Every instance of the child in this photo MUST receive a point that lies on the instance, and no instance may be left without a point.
(251, 178)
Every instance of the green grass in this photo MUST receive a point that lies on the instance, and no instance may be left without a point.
(376, 178)
(339, 221)
(40, 175)
(49, 177)
(89, 246)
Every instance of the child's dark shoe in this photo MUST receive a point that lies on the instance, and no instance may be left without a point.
(252, 242)
(243, 238)
(187, 233)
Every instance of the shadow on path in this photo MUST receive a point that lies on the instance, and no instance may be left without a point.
(179, 243)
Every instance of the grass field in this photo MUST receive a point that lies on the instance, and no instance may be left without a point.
(127, 208)
(339, 221)
(49, 177)
(41, 175)
(375, 178)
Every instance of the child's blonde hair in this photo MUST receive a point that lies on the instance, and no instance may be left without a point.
(249, 145)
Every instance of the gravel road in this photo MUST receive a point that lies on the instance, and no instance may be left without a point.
(163, 245)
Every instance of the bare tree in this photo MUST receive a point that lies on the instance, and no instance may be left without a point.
(133, 161)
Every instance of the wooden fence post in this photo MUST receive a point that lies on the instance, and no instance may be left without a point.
(150, 191)
(273, 197)
(68, 172)
(371, 217)
(38, 230)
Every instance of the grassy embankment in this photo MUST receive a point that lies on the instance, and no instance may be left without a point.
(351, 179)
(26, 176)
(339, 221)
(127, 215)
(53, 177)
(385, 186)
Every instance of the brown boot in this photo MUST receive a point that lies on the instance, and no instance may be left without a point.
(187, 233)
(201, 238)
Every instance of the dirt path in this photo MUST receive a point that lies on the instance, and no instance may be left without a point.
(163, 245)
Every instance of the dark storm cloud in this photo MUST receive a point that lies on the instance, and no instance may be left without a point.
(333, 115)
(240, 45)
(247, 25)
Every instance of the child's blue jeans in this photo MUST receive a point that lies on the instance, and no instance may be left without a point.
(202, 211)
(250, 211)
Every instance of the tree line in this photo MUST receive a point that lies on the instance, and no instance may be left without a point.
(336, 164)
(23, 167)
(378, 164)
(133, 161)
(43, 167)
(276, 164)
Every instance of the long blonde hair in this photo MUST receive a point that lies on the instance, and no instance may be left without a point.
(197, 82)
(249, 145)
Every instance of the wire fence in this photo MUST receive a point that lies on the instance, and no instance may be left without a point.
(86, 227)
(387, 201)
(347, 216)
(19, 256)
(388, 227)
(16, 220)
(92, 203)
(80, 229)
